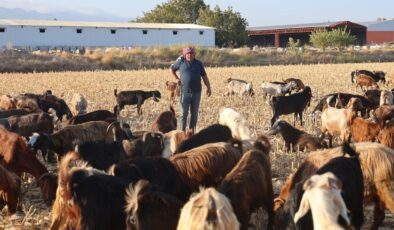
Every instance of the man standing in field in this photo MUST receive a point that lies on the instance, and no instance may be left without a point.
(191, 71)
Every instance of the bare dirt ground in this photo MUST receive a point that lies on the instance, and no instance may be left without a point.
(98, 88)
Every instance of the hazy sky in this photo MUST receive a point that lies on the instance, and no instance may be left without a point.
(256, 12)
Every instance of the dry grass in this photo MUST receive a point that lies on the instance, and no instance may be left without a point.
(98, 88)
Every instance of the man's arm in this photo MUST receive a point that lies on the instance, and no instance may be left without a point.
(207, 84)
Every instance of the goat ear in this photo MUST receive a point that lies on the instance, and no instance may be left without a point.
(304, 208)
(308, 184)
(334, 183)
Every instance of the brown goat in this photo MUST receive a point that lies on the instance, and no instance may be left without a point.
(364, 130)
(300, 84)
(386, 135)
(165, 122)
(6, 102)
(384, 114)
(366, 81)
(17, 157)
(9, 190)
(173, 91)
(207, 165)
(248, 186)
(376, 162)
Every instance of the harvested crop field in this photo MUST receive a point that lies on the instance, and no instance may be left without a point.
(98, 88)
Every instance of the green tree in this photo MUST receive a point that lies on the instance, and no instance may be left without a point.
(230, 27)
(174, 11)
(321, 39)
(342, 38)
(292, 45)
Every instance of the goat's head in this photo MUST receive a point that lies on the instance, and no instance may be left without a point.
(48, 185)
(39, 142)
(156, 95)
(122, 130)
(277, 127)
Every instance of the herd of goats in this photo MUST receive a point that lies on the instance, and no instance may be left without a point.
(110, 177)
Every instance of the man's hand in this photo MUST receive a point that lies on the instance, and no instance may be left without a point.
(209, 92)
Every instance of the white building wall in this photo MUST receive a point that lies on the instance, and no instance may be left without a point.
(56, 36)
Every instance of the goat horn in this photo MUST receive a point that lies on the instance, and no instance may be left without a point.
(110, 126)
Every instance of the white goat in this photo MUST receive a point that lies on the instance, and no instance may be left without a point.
(208, 209)
(238, 125)
(272, 89)
(338, 121)
(239, 87)
(323, 197)
(386, 97)
(79, 104)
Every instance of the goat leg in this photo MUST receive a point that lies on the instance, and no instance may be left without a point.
(378, 215)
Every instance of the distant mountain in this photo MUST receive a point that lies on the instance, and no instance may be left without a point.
(6, 13)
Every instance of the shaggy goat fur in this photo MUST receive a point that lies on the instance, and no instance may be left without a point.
(150, 209)
(208, 209)
(207, 165)
(248, 186)
(79, 104)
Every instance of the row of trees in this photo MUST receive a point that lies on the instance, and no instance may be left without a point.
(230, 26)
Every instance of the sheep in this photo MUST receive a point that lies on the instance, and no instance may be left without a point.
(160, 173)
(165, 122)
(88, 199)
(338, 121)
(16, 157)
(149, 209)
(65, 139)
(208, 164)
(208, 209)
(173, 91)
(211, 134)
(26, 125)
(366, 81)
(364, 130)
(386, 97)
(9, 190)
(102, 155)
(272, 89)
(239, 87)
(248, 185)
(295, 138)
(135, 97)
(295, 103)
(98, 115)
(386, 135)
(326, 189)
(376, 163)
(171, 141)
(79, 104)
(236, 122)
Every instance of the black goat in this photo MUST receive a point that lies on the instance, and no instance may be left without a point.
(134, 97)
(211, 134)
(102, 155)
(98, 115)
(296, 138)
(13, 112)
(26, 125)
(296, 103)
(160, 172)
(343, 99)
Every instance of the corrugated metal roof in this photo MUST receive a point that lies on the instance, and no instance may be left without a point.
(387, 25)
(306, 25)
(47, 23)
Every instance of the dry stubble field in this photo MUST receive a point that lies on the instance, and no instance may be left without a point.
(98, 88)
